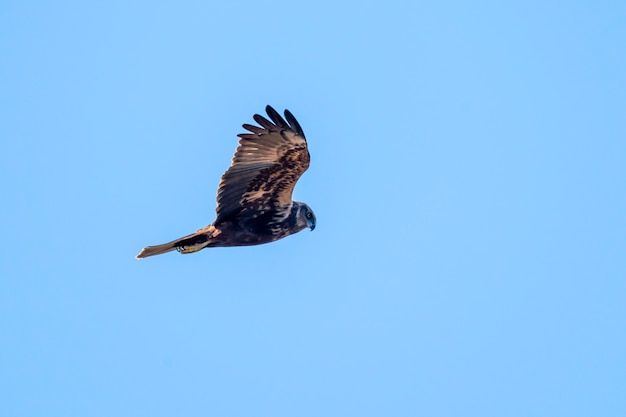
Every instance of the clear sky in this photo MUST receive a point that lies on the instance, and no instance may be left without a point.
(469, 180)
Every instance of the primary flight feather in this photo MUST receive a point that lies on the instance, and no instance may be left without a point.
(254, 204)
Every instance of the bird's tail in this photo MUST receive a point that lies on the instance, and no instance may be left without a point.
(157, 249)
(188, 244)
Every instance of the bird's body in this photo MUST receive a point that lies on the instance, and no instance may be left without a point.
(254, 204)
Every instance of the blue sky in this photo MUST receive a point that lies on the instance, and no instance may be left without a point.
(468, 174)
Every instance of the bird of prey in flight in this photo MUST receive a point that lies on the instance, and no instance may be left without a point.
(254, 204)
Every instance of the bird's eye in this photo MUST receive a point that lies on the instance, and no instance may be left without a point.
(309, 215)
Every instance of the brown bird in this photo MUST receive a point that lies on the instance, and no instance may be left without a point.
(254, 204)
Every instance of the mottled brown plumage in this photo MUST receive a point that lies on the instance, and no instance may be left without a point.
(254, 204)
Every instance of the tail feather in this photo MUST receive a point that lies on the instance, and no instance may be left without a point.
(157, 249)
(187, 244)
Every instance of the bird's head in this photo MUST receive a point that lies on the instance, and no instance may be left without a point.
(306, 217)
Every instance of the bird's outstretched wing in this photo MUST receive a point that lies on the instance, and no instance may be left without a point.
(267, 164)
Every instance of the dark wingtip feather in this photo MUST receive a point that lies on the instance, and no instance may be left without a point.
(276, 118)
(263, 122)
(252, 128)
(294, 123)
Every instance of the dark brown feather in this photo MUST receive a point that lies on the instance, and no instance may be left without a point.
(265, 168)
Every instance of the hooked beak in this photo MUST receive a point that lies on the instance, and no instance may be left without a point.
(311, 226)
